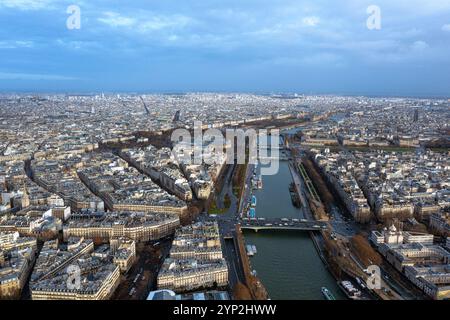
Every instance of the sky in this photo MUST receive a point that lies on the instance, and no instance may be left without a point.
(310, 47)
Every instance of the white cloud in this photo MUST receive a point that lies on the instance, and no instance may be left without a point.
(405, 34)
(310, 21)
(16, 44)
(446, 27)
(160, 22)
(32, 76)
(27, 4)
(78, 45)
(114, 19)
(145, 22)
(288, 29)
(419, 46)
(404, 8)
(422, 7)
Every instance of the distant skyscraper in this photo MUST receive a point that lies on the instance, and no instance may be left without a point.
(145, 106)
(177, 116)
(416, 115)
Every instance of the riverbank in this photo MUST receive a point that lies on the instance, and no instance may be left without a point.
(256, 288)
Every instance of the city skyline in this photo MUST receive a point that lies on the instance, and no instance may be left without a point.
(100, 199)
(308, 47)
(225, 150)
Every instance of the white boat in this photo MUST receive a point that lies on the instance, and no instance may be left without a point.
(327, 293)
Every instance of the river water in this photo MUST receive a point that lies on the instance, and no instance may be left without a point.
(286, 261)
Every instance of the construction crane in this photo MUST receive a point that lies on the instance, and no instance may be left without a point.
(145, 106)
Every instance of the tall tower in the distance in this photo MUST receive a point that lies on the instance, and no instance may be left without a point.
(416, 115)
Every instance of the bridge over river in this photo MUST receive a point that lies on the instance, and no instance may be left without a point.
(281, 224)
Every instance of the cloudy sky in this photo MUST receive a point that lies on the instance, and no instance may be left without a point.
(317, 46)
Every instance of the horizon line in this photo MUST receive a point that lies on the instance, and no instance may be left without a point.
(250, 92)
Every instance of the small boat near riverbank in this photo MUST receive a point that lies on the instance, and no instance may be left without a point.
(327, 294)
(251, 250)
(253, 202)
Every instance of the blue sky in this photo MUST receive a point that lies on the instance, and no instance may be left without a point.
(318, 46)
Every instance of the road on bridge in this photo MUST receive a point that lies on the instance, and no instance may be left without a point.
(282, 224)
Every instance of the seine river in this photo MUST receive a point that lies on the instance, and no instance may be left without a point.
(286, 261)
